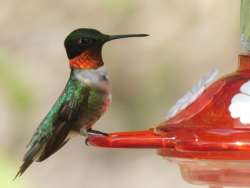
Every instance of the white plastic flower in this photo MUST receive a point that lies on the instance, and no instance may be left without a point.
(193, 94)
(240, 104)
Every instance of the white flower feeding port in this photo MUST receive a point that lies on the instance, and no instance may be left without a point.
(240, 104)
(193, 94)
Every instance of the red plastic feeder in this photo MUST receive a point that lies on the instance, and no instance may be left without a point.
(209, 138)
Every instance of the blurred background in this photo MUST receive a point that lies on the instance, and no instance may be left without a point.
(188, 38)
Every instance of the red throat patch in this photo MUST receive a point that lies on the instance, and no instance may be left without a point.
(90, 59)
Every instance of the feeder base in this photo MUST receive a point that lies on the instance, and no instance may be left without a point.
(214, 173)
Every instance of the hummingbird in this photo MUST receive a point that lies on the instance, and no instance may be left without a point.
(86, 96)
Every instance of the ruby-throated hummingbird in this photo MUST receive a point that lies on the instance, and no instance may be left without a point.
(85, 98)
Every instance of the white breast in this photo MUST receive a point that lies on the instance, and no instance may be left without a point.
(94, 78)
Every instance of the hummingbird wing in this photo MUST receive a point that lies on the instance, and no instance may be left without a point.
(62, 125)
(51, 134)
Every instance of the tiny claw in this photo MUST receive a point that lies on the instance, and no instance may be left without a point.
(95, 132)
(91, 132)
(87, 141)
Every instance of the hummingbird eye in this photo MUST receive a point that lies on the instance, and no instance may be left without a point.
(84, 41)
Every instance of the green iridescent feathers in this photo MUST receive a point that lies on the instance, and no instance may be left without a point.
(51, 134)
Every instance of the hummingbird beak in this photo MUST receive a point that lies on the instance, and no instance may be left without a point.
(113, 37)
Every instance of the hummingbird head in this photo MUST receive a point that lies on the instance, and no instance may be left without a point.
(83, 47)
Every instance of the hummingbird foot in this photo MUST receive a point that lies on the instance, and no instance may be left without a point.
(93, 132)
(87, 141)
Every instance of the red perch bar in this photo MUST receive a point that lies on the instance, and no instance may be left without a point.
(136, 139)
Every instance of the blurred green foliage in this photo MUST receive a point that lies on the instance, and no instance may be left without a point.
(118, 6)
(14, 85)
(245, 17)
(7, 174)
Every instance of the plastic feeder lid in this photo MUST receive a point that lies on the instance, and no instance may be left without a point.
(214, 126)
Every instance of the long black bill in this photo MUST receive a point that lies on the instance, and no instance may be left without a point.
(113, 37)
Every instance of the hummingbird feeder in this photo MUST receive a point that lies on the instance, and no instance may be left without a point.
(207, 132)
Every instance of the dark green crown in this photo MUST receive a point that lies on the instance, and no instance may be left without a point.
(84, 39)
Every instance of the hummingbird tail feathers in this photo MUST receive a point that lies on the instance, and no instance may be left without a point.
(44, 147)
(23, 168)
(29, 157)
